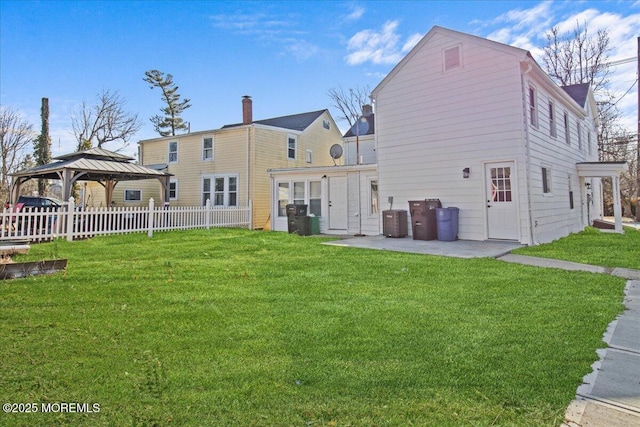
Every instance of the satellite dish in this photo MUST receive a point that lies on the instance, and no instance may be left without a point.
(335, 151)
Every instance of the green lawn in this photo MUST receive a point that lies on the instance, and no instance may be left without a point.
(594, 247)
(239, 328)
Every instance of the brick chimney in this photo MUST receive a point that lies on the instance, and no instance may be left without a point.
(247, 110)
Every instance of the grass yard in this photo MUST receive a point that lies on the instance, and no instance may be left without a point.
(239, 328)
(594, 247)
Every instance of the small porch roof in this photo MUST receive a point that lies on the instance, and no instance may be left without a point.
(607, 170)
(601, 169)
(95, 164)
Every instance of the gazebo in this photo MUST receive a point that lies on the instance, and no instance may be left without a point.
(95, 164)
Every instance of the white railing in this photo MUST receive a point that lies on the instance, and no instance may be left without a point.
(72, 223)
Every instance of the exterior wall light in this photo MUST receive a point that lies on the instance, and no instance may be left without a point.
(465, 172)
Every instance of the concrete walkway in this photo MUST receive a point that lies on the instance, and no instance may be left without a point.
(610, 395)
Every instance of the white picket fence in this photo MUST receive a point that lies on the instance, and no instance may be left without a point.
(72, 223)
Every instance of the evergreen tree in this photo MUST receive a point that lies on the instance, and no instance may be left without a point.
(42, 144)
(170, 122)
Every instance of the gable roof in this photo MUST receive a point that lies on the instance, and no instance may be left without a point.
(527, 62)
(578, 92)
(297, 122)
(516, 51)
(368, 129)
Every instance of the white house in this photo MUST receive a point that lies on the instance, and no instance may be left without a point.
(480, 126)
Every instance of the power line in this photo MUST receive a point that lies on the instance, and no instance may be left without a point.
(621, 61)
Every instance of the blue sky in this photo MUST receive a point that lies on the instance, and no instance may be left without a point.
(285, 55)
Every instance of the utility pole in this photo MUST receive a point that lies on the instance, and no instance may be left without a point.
(638, 142)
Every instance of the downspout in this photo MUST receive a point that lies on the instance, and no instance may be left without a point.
(527, 145)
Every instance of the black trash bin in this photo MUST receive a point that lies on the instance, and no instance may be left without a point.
(423, 218)
(294, 214)
(447, 219)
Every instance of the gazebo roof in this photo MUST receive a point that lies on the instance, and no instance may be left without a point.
(95, 164)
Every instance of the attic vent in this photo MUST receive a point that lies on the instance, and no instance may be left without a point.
(451, 58)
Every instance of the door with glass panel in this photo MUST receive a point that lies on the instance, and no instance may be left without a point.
(502, 214)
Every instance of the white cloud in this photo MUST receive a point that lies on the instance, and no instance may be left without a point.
(526, 28)
(379, 47)
(356, 12)
(269, 30)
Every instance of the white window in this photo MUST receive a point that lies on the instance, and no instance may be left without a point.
(173, 189)
(132, 195)
(570, 192)
(207, 148)
(579, 136)
(451, 58)
(298, 193)
(315, 198)
(567, 131)
(221, 190)
(533, 107)
(283, 198)
(309, 156)
(373, 197)
(552, 120)
(546, 180)
(173, 151)
(292, 147)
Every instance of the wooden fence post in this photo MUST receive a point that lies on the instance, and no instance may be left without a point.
(71, 207)
(150, 221)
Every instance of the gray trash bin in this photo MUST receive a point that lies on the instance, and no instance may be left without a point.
(447, 220)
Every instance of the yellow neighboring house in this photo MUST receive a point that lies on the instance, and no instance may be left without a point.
(229, 165)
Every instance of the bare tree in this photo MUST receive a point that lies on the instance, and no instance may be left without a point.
(16, 135)
(105, 121)
(350, 102)
(578, 58)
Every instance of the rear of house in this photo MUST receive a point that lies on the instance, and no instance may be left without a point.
(229, 165)
(478, 125)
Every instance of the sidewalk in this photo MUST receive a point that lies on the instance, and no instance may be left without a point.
(610, 395)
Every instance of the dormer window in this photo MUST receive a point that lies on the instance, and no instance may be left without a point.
(451, 58)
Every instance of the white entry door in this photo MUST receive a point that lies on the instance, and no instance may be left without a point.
(502, 214)
(338, 202)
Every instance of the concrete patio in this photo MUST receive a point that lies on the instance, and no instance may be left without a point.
(458, 248)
